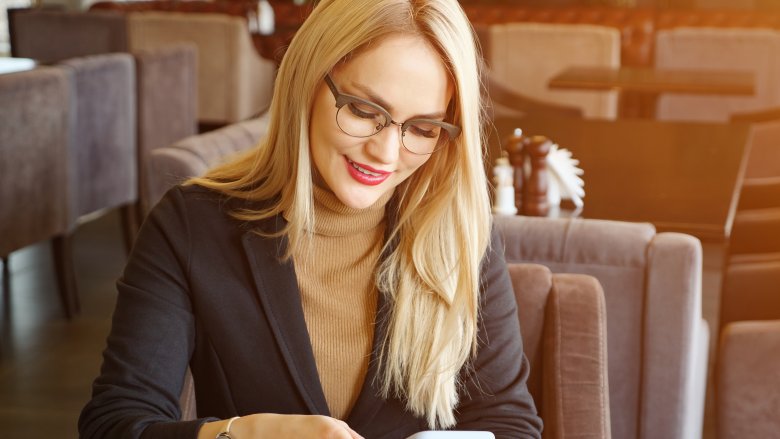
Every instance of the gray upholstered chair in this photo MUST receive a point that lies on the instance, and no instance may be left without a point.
(167, 91)
(658, 341)
(235, 82)
(192, 156)
(52, 36)
(35, 127)
(754, 50)
(525, 56)
(103, 168)
(748, 380)
(167, 81)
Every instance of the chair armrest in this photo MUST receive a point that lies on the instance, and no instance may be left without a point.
(564, 329)
(672, 336)
(576, 389)
(748, 380)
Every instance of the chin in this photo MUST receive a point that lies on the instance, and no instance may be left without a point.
(358, 200)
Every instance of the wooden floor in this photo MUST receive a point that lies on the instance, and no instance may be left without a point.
(47, 363)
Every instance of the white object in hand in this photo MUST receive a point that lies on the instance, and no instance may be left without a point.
(505, 191)
(565, 181)
(452, 434)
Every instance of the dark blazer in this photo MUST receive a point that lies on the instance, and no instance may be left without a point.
(201, 289)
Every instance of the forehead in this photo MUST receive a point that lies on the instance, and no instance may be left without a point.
(404, 70)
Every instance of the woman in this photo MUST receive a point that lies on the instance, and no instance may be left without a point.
(338, 280)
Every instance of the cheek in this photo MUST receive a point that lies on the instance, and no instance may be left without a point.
(413, 163)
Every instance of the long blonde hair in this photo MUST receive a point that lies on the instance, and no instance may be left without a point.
(431, 272)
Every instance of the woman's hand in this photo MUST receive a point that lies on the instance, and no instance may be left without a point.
(281, 426)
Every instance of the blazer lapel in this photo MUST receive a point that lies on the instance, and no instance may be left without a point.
(277, 288)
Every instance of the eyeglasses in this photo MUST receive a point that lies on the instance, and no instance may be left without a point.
(358, 117)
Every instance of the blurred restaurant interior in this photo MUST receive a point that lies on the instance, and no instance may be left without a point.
(638, 142)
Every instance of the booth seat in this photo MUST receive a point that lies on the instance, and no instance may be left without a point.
(658, 341)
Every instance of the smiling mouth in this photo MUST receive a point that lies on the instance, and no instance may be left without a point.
(365, 171)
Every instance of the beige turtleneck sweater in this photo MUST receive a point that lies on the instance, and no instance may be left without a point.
(335, 275)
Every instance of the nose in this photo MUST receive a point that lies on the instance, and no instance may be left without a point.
(385, 146)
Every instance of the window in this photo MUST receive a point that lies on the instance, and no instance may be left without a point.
(5, 46)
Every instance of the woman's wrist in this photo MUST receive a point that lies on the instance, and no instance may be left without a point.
(225, 434)
(222, 429)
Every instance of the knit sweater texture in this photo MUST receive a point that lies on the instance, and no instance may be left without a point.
(336, 276)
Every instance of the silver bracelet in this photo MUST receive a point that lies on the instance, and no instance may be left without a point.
(226, 434)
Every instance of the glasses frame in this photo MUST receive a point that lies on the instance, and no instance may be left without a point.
(343, 99)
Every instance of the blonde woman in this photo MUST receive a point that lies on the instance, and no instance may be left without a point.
(339, 280)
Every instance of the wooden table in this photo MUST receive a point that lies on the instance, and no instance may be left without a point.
(682, 177)
(640, 87)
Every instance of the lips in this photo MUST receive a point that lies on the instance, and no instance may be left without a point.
(365, 174)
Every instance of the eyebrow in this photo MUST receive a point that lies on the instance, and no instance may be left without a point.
(384, 104)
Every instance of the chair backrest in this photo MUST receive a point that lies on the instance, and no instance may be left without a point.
(652, 287)
(234, 82)
(701, 48)
(103, 168)
(35, 123)
(564, 330)
(748, 381)
(52, 36)
(751, 288)
(167, 99)
(192, 156)
(527, 55)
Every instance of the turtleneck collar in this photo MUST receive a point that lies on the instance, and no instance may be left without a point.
(334, 218)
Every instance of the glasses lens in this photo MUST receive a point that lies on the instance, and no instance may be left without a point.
(360, 120)
(424, 137)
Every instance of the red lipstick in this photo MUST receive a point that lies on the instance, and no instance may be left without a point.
(365, 174)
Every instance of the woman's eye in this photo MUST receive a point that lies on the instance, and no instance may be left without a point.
(429, 131)
(362, 111)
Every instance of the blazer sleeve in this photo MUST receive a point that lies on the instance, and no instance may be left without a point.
(148, 349)
(495, 396)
